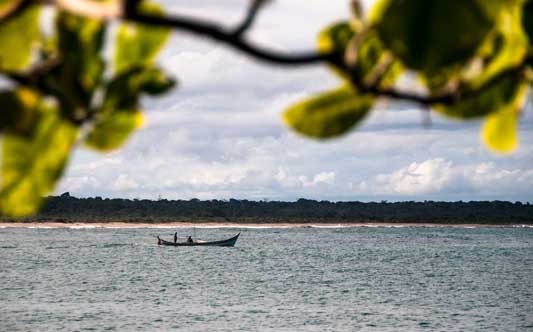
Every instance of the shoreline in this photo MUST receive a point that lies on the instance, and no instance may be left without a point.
(131, 225)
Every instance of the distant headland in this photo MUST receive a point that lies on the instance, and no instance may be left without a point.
(70, 209)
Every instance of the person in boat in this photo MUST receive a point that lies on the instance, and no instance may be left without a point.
(189, 239)
(175, 237)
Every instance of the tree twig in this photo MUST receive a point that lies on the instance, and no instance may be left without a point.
(234, 39)
(253, 10)
(216, 32)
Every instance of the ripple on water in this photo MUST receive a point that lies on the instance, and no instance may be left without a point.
(275, 279)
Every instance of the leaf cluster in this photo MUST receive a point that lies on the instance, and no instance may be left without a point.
(69, 93)
(472, 57)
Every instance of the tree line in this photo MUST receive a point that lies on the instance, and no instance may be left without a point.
(66, 208)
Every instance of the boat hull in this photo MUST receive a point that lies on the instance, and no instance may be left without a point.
(222, 243)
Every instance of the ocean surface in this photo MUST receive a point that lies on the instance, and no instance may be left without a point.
(299, 279)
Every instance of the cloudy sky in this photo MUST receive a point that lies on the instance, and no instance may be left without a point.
(220, 135)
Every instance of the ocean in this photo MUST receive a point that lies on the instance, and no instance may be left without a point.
(290, 279)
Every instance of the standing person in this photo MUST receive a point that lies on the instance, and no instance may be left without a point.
(175, 237)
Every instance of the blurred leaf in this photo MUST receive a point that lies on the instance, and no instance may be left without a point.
(17, 38)
(500, 130)
(335, 39)
(123, 92)
(19, 112)
(428, 35)
(372, 63)
(330, 114)
(74, 82)
(114, 129)
(527, 19)
(153, 81)
(119, 113)
(138, 44)
(375, 65)
(31, 166)
(507, 45)
(509, 90)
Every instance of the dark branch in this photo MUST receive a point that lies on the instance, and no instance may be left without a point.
(216, 32)
(255, 6)
(31, 76)
(235, 40)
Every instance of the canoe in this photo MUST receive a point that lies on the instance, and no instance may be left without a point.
(222, 243)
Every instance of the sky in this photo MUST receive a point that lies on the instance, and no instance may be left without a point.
(220, 135)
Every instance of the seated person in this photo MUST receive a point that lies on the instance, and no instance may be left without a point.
(189, 240)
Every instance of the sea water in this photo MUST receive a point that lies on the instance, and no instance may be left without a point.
(301, 279)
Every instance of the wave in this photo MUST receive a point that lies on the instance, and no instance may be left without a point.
(125, 225)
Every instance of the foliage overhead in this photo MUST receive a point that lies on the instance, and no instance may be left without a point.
(473, 57)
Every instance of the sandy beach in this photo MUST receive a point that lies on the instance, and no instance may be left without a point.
(111, 225)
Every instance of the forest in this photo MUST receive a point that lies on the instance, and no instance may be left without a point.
(69, 209)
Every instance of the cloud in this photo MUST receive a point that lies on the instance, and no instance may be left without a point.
(220, 134)
(442, 178)
(429, 176)
(124, 183)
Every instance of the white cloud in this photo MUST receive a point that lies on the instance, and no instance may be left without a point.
(440, 177)
(429, 176)
(219, 135)
(124, 183)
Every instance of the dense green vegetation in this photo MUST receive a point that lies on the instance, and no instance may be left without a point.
(66, 208)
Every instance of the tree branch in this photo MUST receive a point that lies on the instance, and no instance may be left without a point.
(234, 39)
(255, 6)
(216, 32)
(31, 76)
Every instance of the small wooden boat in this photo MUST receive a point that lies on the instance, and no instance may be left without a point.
(222, 243)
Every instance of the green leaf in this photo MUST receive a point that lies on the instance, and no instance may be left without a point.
(527, 19)
(330, 114)
(428, 35)
(120, 115)
(509, 90)
(123, 92)
(18, 36)
(114, 129)
(20, 111)
(375, 65)
(507, 45)
(153, 81)
(138, 44)
(500, 130)
(31, 166)
(335, 38)
(75, 81)
(80, 41)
